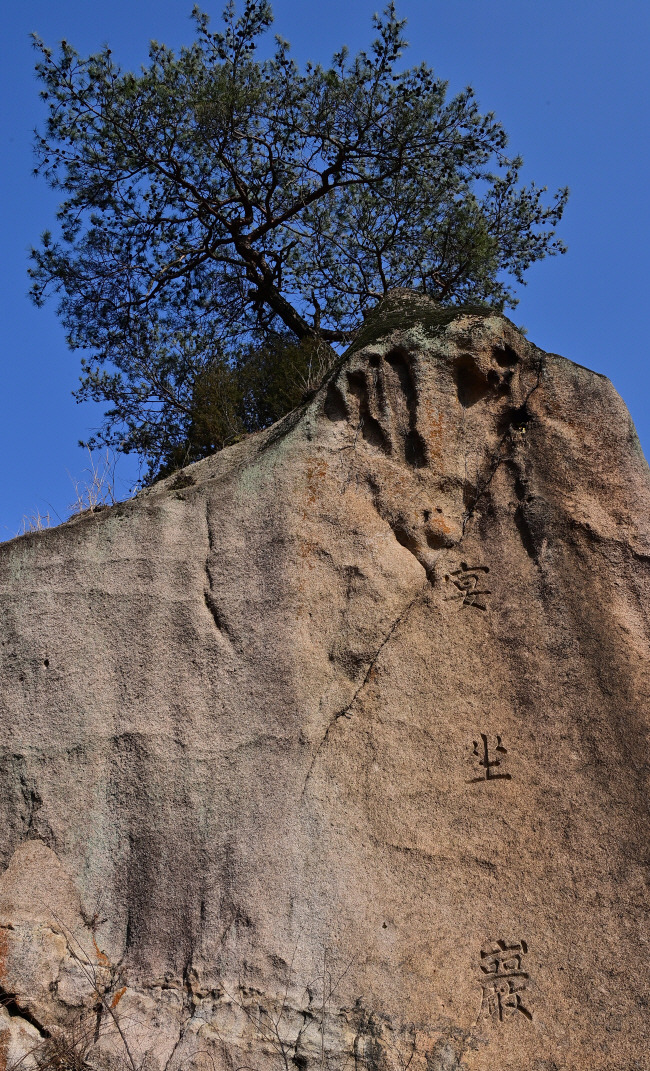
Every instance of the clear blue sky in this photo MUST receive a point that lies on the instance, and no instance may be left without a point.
(567, 78)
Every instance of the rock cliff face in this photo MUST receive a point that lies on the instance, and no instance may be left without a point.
(333, 751)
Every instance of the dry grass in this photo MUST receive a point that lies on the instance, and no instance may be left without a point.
(94, 490)
(35, 522)
(96, 487)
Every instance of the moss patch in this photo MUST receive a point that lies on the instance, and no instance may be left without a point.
(409, 309)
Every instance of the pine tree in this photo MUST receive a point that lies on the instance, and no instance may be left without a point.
(219, 208)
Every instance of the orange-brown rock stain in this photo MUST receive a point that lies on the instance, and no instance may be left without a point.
(439, 524)
(118, 996)
(437, 528)
(102, 958)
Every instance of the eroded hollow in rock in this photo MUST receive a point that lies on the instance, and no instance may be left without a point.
(505, 356)
(371, 429)
(471, 384)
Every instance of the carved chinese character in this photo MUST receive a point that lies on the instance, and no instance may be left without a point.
(469, 584)
(490, 758)
(504, 981)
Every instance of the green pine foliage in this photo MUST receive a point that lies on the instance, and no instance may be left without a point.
(217, 204)
(248, 392)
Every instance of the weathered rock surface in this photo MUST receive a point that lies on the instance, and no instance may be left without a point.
(334, 750)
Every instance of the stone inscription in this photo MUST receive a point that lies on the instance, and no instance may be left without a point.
(468, 585)
(490, 759)
(504, 981)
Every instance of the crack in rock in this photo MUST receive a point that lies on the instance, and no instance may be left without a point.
(345, 712)
(15, 1010)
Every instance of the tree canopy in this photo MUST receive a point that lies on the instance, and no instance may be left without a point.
(218, 206)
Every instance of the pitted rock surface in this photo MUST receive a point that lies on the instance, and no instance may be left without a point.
(333, 750)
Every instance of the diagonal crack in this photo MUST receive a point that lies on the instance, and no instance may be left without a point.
(345, 712)
(10, 1003)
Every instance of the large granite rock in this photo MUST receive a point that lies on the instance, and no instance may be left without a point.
(334, 749)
